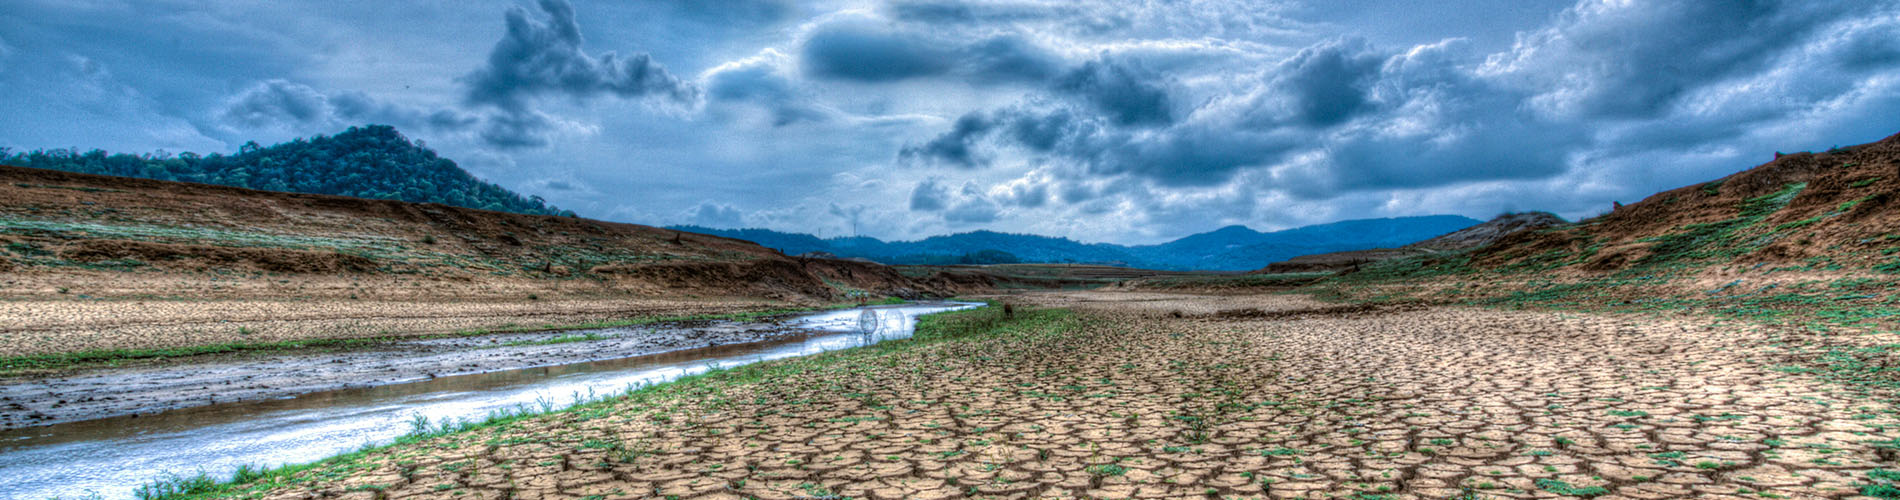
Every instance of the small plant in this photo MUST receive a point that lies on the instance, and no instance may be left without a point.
(1563, 488)
(174, 485)
(1105, 470)
(1882, 483)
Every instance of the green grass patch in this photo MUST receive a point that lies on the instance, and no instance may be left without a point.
(564, 339)
(1566, 489)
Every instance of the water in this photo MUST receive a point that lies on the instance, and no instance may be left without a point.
(112, 457)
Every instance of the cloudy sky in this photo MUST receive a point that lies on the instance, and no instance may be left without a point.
(1125, 121)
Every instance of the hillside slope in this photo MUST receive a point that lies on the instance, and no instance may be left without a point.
(1463, 239)
(171, 261)
(1810, 238)
(1824, 213)
(373, 161)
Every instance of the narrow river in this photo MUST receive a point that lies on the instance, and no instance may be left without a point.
(109, 458)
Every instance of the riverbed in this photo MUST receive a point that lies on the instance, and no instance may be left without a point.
(271, 415)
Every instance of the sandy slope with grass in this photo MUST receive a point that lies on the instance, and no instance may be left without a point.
(1174, 396)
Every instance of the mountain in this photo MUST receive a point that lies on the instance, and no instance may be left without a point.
(373, 161)
(1229, 248)
(1463, 239)
(1235, 250)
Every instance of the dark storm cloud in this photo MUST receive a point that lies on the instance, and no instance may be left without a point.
(972, 211)
(955, 147)
(278, 102)
(929, 196)
(1125, 93)
(858, 48)
(1626, 61)
(1089, 105)
(865, 52)
(966, 12)
(960, 206)
(1342, 116)
(359, 106)
(1010, 57)
(1030, 194)
(1184, 156)
(1042, 131)
(1109, 120)
(727, 11)
(524, 129)
(544, 57)
(296, 107)
(760, 82)
(1873, 47)
(1328, 83)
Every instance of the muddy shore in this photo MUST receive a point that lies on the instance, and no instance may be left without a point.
(199, 381)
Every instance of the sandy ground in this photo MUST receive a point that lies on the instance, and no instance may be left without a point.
(68, 325)
(204, 380)
(1131, 401)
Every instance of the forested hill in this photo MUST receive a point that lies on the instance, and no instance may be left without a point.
(373, 161)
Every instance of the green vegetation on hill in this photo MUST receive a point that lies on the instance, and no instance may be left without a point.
(373, 161)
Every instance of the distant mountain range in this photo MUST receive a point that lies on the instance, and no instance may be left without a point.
(1231, 248)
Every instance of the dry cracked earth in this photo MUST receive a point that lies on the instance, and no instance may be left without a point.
(1151, 396)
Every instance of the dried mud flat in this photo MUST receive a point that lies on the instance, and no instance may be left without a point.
(160, 386)
(1125, 400)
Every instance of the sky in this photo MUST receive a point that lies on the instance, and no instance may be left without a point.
(1124, 121)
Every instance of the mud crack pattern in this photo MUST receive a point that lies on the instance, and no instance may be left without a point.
(1127, 402)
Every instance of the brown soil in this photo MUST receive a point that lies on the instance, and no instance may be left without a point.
(162, 385)
(99, 262)
(1845, 212)
(1131, 402)
(37, 327)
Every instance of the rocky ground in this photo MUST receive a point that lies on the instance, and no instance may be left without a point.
(1171, 396)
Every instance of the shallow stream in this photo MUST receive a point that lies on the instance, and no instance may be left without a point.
(111, 457)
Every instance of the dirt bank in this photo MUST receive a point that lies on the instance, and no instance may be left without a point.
(72, 325)
(166, 385)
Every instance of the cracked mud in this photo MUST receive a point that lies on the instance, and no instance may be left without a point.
(1126, 400)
